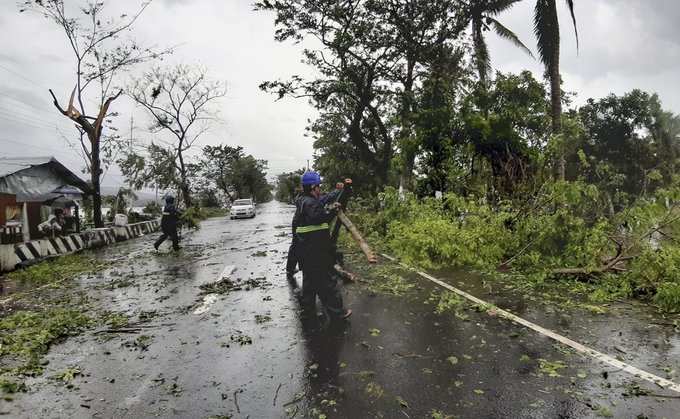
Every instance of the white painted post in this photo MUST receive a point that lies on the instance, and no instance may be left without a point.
(24, 220)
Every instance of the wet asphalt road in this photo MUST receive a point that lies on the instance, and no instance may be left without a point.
(248, 354)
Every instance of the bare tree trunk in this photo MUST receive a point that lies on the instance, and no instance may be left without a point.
(406, 178)
(556, 106)
(95, 177)
(94, 134)
(184, 186)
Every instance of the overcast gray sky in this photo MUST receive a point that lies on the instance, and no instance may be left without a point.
(625, 44)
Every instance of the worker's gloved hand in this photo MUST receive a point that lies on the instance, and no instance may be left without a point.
(348, 181)
(336, 206)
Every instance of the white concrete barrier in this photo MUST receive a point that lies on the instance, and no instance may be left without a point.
(12, 255)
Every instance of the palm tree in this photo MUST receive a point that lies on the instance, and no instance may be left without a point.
(547, 30)
(482, 17)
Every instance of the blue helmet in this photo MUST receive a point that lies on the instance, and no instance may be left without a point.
(311, 178)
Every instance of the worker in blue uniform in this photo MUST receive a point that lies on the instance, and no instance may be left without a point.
(169, 220)
(315, 251)
(292, 261)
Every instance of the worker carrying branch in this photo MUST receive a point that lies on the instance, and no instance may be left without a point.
(329, 198)
(169, 221)
(315, 251)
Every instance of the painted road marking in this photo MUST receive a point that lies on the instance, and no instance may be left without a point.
(604, 358)
(224, 274)
(208, 302)
(210, 299)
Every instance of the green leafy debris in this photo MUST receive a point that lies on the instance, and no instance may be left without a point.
(57, 269)
(28, 335)
(69, 374)
(438, 414)
(452, 360)
(11, 387)
(551, 368)
(374, 390)
(390, 280)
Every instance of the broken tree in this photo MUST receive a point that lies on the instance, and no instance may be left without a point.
(99, 56)
(178, 100)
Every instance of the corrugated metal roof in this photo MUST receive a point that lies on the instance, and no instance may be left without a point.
(9, 165)
(33, 177)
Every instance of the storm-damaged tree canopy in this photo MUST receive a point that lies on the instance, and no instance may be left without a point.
(178, 100)
(101, 52)
(370, 57)
(408, 97)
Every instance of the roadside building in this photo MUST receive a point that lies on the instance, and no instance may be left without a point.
(31, 188)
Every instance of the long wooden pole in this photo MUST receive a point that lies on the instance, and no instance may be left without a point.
(372, 258)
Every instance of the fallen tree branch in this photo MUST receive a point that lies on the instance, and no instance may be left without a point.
(518, 254)
(276, 395)
(344, 274)
(357, 237)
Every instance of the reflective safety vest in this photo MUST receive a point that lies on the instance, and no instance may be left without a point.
(311, 228)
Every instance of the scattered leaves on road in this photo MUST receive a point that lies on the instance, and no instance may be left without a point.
(142, 343)
(550, 368)
(374, 390)
(27, 335)
(69, 374)
(402, 402)
(225, 286)
(438, 414)
(240, 338)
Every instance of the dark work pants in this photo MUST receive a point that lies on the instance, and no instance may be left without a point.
(172, 234)
(292, 261)
(318, 280)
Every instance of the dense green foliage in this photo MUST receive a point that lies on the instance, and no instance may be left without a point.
(216, 177)
(564, 231)
(288, 186)
(406, 98)
(226, 172)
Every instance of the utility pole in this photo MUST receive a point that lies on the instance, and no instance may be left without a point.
(132, 127)
(307, 164)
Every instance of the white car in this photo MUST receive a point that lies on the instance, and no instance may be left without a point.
(242, 208)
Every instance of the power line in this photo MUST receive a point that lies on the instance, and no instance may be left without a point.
(25, 145)
(27, 104)
(9, 70)
(26, 122)
(13, 113)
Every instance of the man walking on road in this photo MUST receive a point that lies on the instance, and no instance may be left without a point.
(314, 250)
(169, 222)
